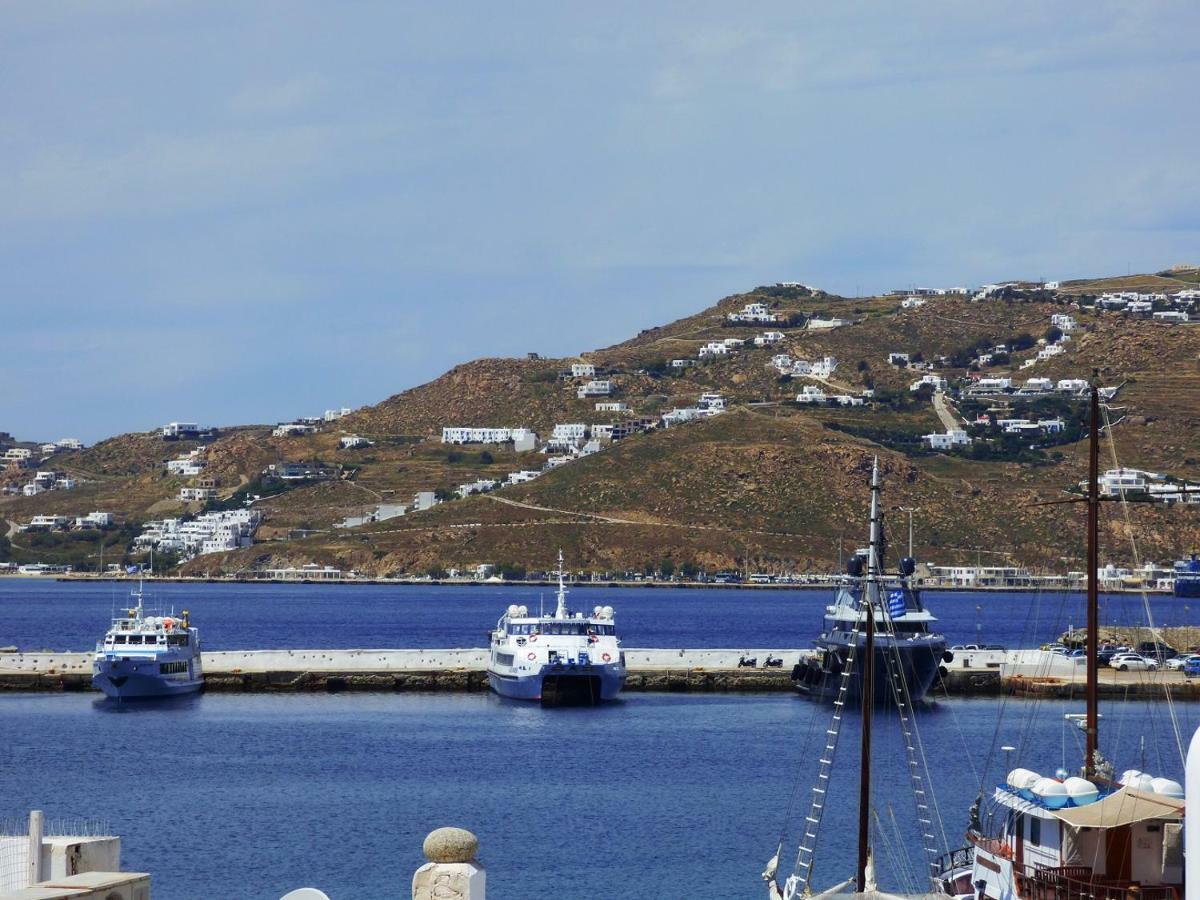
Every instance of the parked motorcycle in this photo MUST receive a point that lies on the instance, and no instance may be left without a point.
(744, 663)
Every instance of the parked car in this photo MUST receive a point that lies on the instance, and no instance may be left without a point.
(1191, 666)
(1178, 662)
(1157, 650)
(1124, 662)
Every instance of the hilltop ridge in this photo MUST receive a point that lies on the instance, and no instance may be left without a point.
(767, 483)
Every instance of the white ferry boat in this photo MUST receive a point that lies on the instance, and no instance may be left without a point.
(564, 659)
(148, 656)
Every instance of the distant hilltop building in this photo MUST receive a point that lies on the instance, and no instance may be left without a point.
(174, 431)
(754, 313)
(522, 439)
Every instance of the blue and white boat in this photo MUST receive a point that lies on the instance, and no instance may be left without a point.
(1187, 578)
(564, 659)
(148, 656)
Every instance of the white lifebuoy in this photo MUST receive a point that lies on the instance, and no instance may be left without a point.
(533, 639)
(606, 657)
(531, 656)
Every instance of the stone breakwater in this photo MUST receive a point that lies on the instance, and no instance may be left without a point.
(1020, 673)
(408, 670)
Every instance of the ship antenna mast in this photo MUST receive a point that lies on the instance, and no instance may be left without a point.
(561, 611)
(1093, 588)
(874, 566)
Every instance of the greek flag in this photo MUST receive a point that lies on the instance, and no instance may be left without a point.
(895, 603)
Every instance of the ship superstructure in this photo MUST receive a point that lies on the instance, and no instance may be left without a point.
(906, 641)
(148, 656)
(562, 659)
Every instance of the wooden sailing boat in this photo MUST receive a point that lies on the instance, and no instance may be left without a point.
(1091, 836)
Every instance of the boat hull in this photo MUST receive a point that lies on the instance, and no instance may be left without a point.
(1187, 589)
(561, 685)
(131, 679)
(920, 664)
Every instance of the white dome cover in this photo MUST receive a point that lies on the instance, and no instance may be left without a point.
(1140, 782)
(1022, 781)
(1081, 791)
(1167, 787)
(1052, 793)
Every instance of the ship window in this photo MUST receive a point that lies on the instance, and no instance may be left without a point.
(135, 639)
(1035, 830)
(118, 638)
(177, 640)
(504, 659)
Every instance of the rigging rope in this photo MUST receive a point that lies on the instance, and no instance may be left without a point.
(1174, 717)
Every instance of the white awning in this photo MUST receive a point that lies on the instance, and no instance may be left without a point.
(1124, 807)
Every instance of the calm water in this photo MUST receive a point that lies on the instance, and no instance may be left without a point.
(70, 615)
(656, 796)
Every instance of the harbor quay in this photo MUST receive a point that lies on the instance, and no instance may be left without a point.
(1019, 673)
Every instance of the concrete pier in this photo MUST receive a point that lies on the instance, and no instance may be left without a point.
(1023, 673)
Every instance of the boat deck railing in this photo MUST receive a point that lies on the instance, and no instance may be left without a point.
(1081, 883)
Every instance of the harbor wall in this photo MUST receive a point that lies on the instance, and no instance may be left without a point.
(1024, 673)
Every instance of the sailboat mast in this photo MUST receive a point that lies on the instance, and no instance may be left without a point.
(871, 596)
(560, 611)
(1093, 588)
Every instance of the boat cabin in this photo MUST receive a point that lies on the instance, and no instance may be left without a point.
(1072, 836)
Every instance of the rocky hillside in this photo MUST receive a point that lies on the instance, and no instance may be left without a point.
(768, 484)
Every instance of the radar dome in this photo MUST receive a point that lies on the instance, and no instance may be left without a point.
(523, 611)
(514, 610)
(608, 612)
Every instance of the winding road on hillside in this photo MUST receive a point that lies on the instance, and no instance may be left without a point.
(942, 408)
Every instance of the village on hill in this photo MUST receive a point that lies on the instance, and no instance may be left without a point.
(730, 444)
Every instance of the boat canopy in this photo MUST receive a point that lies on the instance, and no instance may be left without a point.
(1123, 807)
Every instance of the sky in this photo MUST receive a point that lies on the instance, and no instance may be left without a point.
(232, 212)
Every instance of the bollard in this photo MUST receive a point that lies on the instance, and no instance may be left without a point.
(453, 872)
(35, 847)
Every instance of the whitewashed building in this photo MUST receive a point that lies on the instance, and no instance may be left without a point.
(599, 387)
(947, 440)
(583, 370)
(754, 313)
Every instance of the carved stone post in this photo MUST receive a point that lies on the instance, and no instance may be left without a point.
(452, 872)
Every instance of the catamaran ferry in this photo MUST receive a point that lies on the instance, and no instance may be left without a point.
(564, 659)
(148, 656)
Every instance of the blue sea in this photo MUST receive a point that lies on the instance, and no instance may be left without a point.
(36, 614)
(655, 796)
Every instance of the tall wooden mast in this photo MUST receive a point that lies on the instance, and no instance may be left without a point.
(870, 602)
(1093, 588)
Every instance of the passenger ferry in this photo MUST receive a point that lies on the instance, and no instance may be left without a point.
(564, 659)
(148, 656)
